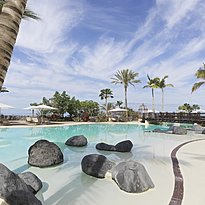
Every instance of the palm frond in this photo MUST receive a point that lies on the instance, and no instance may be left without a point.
(197, 85)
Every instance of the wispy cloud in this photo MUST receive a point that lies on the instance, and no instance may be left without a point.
(79, 45)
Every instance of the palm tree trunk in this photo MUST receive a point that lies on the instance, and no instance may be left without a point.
(126, 103)
(153, 107)
(10, 19)
(162, 100)
(106, 108)
(125, 97)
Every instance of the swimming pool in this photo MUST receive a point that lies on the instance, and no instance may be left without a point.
(66, 184)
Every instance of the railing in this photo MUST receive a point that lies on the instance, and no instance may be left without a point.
(198, 118)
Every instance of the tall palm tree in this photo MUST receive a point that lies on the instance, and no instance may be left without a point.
(104, 95)
(163, 85)
(200, 74)
(11, 13)
(152, 83)
(125, 77)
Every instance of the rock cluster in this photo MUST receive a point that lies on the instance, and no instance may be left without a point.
(19, 189)
(124, 146)
(172, 130)
(130, 176)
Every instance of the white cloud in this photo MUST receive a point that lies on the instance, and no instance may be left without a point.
(53, 58)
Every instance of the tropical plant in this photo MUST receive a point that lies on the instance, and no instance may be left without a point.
(119, 103)
(104, 95)
(125, 77)
(195, 107)
(200, 74)
(188, 108)
(152, 83)
(89, 106)
(163, 85)
(11, 13)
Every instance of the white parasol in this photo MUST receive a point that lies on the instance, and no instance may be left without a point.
(4, 106)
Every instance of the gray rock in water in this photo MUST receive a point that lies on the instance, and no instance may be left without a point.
(14, 190)
(96, 165)
(123, 146)
(131, 177)
(106, 147)
(198, 129)
(179, 130)
(31, 180)
(158, 130)
(77, 141)
(203, 132)
(44, 154)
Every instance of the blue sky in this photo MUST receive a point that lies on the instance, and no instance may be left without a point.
(79, 45)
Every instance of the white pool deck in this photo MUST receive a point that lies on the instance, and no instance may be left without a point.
(67, 185)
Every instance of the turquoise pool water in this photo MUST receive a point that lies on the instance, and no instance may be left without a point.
(66, 182)
(14, 142)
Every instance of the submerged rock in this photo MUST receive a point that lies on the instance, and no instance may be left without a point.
(13, 190)
(44, 154)
(96, 165)
(78, 141)
(123, 146)
(131, 177)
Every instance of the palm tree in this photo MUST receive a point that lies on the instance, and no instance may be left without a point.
(200, 74)
(105, 94)
(11, 13)
(125, 77)
(153, 84)
(163, 85)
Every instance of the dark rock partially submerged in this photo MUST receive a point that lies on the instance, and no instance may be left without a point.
(172, 130)
(14, 190)
(78, 141)
(44, 154)
(132, 177)
(96, 165)
(105, 147)
(124, 146)
(31, 180)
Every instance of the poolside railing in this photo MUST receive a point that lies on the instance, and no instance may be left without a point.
(198, 118)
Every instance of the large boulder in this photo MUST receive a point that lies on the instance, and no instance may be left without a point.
(179, 130)
(31, 180)
(123, 146)
(105, 147)
(131, 177)
(197, 128)
(78, 141)
(96, 165)
(44, 154)
(13, 190)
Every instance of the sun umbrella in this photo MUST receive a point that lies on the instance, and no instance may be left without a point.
(45, 107)
(4, 106)
(39, 107)
(118, 110)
